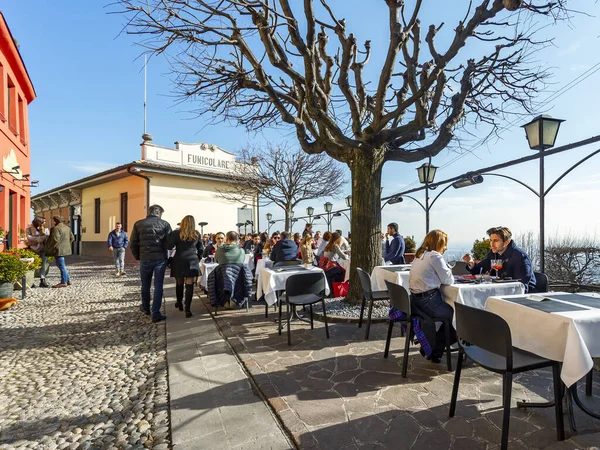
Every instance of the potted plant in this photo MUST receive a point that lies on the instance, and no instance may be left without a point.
(33, 261)
(11, 270)
(410, 246)
(480, 249)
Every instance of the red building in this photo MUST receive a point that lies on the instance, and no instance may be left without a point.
(16, 93)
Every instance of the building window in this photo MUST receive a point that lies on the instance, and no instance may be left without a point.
(97, 215)
(21, 105)
(124, 210)
(2, 95)
(12, 107)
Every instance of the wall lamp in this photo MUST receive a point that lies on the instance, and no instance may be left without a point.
(468, 181)
(34, 183)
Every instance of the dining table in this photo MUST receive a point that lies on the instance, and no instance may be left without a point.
(272, 281)
(398, 273)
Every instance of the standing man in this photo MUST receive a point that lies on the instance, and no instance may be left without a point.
(394, 250)
(117, 243)
(148, 246)
(307, 229)
(59, 246)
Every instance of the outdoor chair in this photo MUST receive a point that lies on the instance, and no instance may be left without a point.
(293, 262)
(541, 282)
(485, 338)
(400, 300)
(460, 268)
(370, 296)
(304, 289)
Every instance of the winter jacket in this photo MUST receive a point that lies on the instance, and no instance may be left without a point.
(284, 250)
(394, 251)
(229, 281)
(59, 242)
(149, 238)
(186, 262)
(516, 265)
(118, 241)
(230, 254)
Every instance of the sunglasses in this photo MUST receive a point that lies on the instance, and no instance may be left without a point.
(276, 238)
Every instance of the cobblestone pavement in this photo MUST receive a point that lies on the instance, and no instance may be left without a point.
(82, 368)
(342, 394)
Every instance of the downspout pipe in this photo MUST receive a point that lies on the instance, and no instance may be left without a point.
(135, 174)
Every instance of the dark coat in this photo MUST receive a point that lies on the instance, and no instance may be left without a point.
(394, 251)
(59, 242)
(284, 250)
(210, 249)
(148, 239)
(516, 265)
(186, 262)
(229, 281)
(121, 241)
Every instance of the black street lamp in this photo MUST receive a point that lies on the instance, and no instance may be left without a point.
(541, 134)
(328, 208)
(426, 174)
(249, 222)
(239, 226)
(202, 225)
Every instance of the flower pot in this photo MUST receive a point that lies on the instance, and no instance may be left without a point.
(29, 280)
(6, 289)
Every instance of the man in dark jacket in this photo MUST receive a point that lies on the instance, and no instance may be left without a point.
(394, 250)
(515, 262)
(285, 250)
(117, 243)
(148, 246)
(307, 229)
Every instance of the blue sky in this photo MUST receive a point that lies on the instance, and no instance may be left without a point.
(88, 117)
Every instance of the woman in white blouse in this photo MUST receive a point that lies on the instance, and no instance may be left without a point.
(428, 273)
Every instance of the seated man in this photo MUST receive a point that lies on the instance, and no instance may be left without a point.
(516, 264)
(251, 244)
(345, 245)
(230, 252)
(285, 250)
(394, 250)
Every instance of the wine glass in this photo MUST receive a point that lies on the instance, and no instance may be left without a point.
(496, 264)
(451, 260)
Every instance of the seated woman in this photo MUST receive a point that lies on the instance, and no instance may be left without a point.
(332, 252)
(428, 273)
(270, 244)
(306, 249)
(258, 249)
(324, 242)
(211, 249)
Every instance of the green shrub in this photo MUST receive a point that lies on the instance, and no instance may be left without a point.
(28, 253)
(480, 248)
(11, 267)
(410, 244)
(2, 232)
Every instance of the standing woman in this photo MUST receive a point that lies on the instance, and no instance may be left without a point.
(186, 262)
(37, 233)
(428, 273)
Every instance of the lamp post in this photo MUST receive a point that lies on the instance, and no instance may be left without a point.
(271, 222)
(269, 217)
(251, 223)
(541, 134)
(202, 225)
(239, 226)
(328, 208)
(426, 174)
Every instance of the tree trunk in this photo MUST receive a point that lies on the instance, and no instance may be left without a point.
(366, 217)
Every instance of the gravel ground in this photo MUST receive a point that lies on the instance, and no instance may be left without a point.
(82, 368)
(338, 307)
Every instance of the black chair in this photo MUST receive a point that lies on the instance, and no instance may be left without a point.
(370, 296)
(541, 282)
(304, 289)
(490, 346)
(460, 268)
(400, 299)
(293, 262)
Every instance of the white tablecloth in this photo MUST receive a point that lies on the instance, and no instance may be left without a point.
(206, 268)
(380, 275)
(249, 261)
(271, 281)
(345, 264)
(572, 337)
(475, 295)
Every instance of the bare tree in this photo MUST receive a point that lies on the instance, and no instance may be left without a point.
(284, 177)
(264, 63)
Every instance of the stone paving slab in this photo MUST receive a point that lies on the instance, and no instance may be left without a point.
(342, 394)
(81, 367)
(213, 404)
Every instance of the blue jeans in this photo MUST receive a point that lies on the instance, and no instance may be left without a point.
(149, 267)
(64, 274)
(434, 305)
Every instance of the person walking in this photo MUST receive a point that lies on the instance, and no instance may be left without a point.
(148, 245)
(117, 243)
(185, 266)
(37, 234)
(58, 245)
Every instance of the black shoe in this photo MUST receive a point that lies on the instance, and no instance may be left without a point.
(188, 314)
(144, 311)
(159, 318)
(179, 306)
(43, 284)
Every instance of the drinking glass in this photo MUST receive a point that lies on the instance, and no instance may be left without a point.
(496, 265)
(451, 260)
